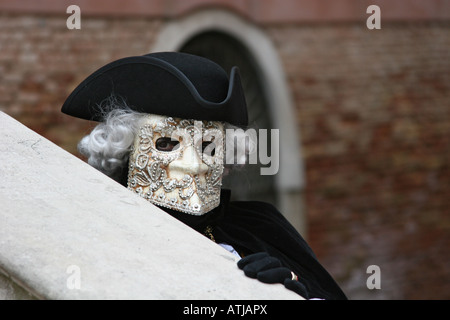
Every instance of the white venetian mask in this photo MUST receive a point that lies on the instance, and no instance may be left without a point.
(178, 163)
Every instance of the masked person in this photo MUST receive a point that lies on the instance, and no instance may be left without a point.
(161, 134)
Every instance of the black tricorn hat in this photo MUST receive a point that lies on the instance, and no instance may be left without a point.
(166, 83)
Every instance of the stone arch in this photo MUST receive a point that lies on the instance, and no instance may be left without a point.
(289, 182)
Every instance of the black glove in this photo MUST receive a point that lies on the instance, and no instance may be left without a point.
(269, 269)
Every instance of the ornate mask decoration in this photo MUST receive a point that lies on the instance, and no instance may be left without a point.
(178, 163)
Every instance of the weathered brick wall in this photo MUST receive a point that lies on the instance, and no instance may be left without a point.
(41, 62)
(374, 113)
(373, 109)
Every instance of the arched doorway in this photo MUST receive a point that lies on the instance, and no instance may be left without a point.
(190, 33)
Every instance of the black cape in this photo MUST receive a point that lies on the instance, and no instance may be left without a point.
(254, 226)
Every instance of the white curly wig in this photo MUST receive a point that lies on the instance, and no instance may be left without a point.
(108, 146)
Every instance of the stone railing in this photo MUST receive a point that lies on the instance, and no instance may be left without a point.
(69, 232)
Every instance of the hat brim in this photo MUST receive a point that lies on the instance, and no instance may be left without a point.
(151, 85)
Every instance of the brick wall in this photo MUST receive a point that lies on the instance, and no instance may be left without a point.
(374, 113)
(41, 62)
(373, 109)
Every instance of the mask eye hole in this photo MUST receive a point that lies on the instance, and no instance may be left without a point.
(167, 144)
(208, 148)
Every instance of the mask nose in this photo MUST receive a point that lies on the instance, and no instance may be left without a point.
(190, 163)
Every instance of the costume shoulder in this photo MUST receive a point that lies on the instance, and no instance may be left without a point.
(254, 226)
(265, 222)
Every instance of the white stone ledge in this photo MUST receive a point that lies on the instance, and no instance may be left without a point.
(56, 211)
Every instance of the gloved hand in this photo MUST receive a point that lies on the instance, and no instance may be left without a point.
(269, 269)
